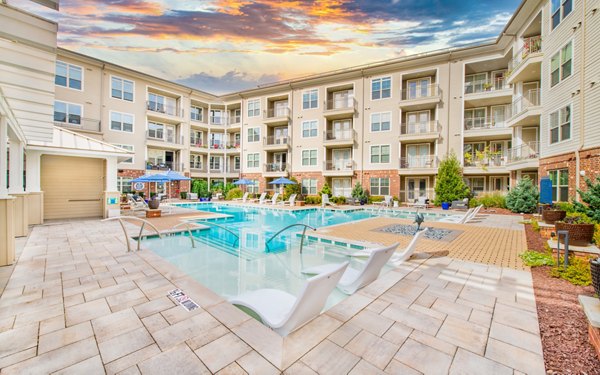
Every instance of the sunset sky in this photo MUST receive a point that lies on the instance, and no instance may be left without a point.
(222, 46)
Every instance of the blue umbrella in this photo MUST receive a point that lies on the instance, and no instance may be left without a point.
(282, 181)
(152, 178)
(174, 176)
(244, 181)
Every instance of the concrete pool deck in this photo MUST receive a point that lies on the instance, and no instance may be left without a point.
(78, 302)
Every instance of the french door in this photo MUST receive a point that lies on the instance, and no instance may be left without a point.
(418, 88)
(418, 156)
(342, 187)
(415, 188)
(341, 158)
(418, 122)
(342, 129)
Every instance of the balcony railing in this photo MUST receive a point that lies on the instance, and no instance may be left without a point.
(339, 135)
(233, 169)
(491, 161)
(216, 169)
(530, 99)
(421, 92)
(483, 123)
(273, 140)
(276, 167)
(271, 113)
(344, 165)
(86, 124)
(164, 166)
(485, 85)
(167, 109)
(340, 103)
(197, 142)
(419, 161)
(161, 136)
(197, 167)
(530, 45)
(415, 128)
(217, 145)
(234, 120)
(197, 116)
(232, 145)
(218, 120)
(528, 150)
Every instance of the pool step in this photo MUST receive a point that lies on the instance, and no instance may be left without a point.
(227, 247)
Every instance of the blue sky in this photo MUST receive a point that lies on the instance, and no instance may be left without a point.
(227, 45)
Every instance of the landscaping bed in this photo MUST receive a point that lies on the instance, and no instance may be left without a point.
(563, 325)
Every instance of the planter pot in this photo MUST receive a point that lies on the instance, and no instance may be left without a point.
(579, 234)
(551, 216)
(445, 205)
(595, 269)
(154, 203)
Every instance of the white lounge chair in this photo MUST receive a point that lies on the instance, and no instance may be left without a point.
(244, 199)
(274, 199)
(284, 312)
(398, 257)
(354, 279)
(387, 201)
(325, 201)
(192, 196)
(462, 219)
(263, 198)
(291, 200)
(421, 203)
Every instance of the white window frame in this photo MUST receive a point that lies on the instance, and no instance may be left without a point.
(561, 10)
(559, 172)
(380, 114)
(201, 113)
(253, 160)
(559, 124)
(307, 186)
(122, 89)
(110, 114)
(380, 154)
(120, 184)
(381, 79)
(68, 66)
(309, 93)
(470, 180)
(560, 69)
(310, 129)
(309, 158)
(68, 105)
(164, 129)
(128, 148)
(379, 179)
(255, 135)
(253, 107)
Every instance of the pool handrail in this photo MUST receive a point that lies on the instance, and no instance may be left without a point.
(237, 238)
(187, 226)
(290, 226)
(139, 238)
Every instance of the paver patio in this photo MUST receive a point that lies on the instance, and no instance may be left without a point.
(78, 302)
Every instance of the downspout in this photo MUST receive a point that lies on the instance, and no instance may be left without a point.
(581, 104)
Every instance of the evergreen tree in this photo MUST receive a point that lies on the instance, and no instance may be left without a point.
(325, 190)
(450, 185)
(523, 198)
(291, 189)
(357, 191)
(592, 198)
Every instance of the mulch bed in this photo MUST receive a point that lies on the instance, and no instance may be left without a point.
(498, 211)
(563, 325)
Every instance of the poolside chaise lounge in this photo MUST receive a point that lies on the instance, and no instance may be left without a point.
(353, 279)
(387, 201)
(291, 200)
(398, 257)
(262, 199)
(462, 219)
(460, 204)
(325, 201)
(285, 313)
(274, 199)
(244, 199)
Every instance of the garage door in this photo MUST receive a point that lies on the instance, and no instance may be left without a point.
(73, 187)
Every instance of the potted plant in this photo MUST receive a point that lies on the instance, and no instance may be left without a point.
(580, 228)
(154, 202)
(487, 86)
(550, 215)
(595, 270)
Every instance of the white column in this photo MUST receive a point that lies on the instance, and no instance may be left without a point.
(111, 174)
(16, 167)
(3, 152)
(33, 180)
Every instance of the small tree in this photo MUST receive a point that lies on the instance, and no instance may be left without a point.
(291, 189)
(592, 198)
(325, 190)
(450, 185)
(357, 191)
(523, 198)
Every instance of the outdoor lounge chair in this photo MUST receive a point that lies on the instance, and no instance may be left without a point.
(325, 201)
(398, 257)
(262, 199)
(387, 201)
(291, 200)
(193, 196)
(422, 202)
(461, 204)
(353, 279)
(274, 199)
(244, 199)
(284, 312)
(462, 219)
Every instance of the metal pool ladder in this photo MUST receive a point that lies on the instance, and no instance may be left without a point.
(290, 226)
(237, 238)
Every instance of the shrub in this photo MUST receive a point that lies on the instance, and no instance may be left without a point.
(564, 206)
(312, 199)
(497, 200)
(359, 193)
(577, 272)
(577, 218)
(376, 198)
(523, 198)
(535, 258)
(200, 187)
(183, 195)
(291, 189)
(152, 194)
(592, 198)
(596, 238)
(325, 190)
(234, 193)
(535, 225)
(338, 200)
(450, 185)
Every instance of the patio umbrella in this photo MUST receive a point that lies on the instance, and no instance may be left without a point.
(282, 181)
(244, 182)
(174, 176)
(152, 178)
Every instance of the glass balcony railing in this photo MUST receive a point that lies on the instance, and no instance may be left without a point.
(159, 165)
(161, 136)
(274, 140)
(272, 113)
(78, 123)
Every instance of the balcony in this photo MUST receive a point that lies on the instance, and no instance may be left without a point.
(161, 140)
(196, 168)
(484, 128)
(233, 147)
(523, 156)
(273, 143)
(420, 164)
(161, 167)
(83, 125)
(234, 121)
(526, 63)
(492, 164)
(276, 169)
(217, 147)
(165, 111)
(335, 109)
(218, 120)
(487, 92)
(216, 169)
(198, 145)
(276, 116)
(338, 168)
(339, 138)
(198, 119)
(526, 109)
(420, 131)
(424, 97)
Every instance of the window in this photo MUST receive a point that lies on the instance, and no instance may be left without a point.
(121, 88)
(195, 161)
(124, 184)
(253, 107)
(309, 128)
(128, 148)
(476, 184)
(121, 122)
(68, 75)
(560, 9)
(253, 134)
(215, 163)
(253, 160)
(380, 154)
(475, 118)
(236, 163)
(380, 186)
(560, 125)
(156, 130)
(381, 88)
(561, 66)
(309, 186)
(380, 122)
(309, 157)
(67, 113)
(560, 184)
(310, 99)
(196, 113)
(252, 187)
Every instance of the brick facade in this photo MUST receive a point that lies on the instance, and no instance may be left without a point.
(311, 175)
(392, 174)
(595, 338)
(589, 162)
(174, 188)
